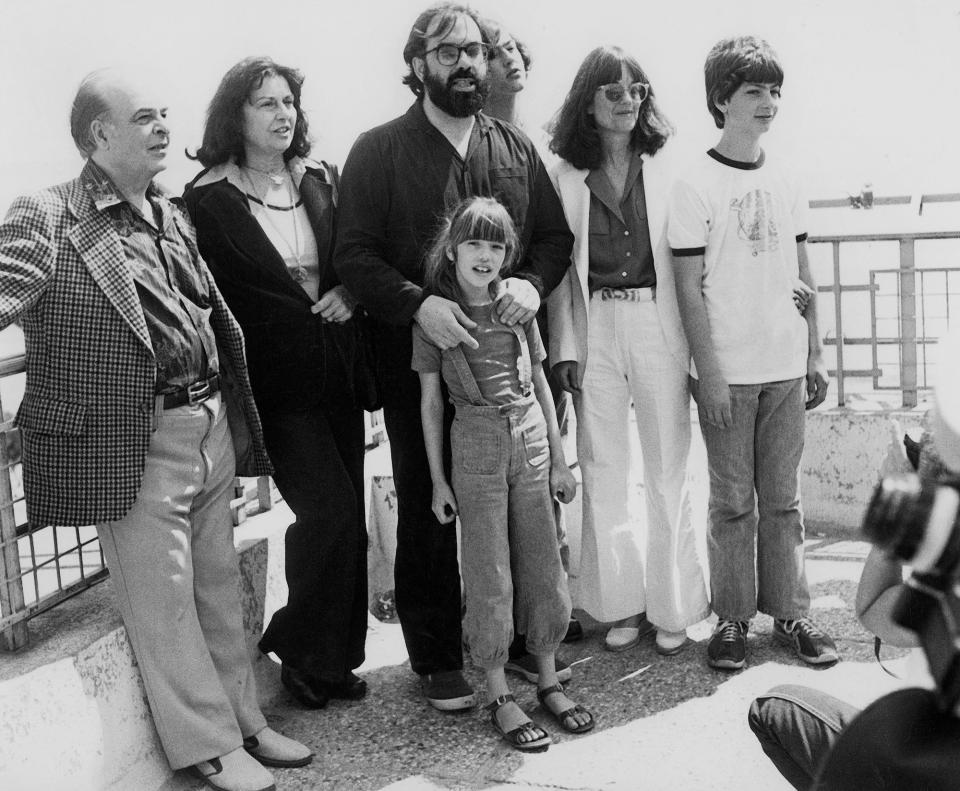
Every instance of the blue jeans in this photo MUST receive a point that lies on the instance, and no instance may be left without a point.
(755, 531)
(797, 726)
(510, 558)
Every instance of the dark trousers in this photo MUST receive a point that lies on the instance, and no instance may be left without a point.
(797, 726)
(318, 454)
(426, 574)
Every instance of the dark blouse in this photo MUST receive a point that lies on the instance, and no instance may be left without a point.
(621, 255)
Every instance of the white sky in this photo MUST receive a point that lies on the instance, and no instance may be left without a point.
(870, 92)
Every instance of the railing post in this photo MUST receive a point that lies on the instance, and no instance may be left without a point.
(838, 318)
(11, 583)
(908, 323)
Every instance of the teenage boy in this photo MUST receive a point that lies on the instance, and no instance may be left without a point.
(737, 229)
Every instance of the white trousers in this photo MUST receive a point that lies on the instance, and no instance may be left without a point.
(628, 357)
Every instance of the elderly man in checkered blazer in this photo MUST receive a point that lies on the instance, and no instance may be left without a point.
(136, 414)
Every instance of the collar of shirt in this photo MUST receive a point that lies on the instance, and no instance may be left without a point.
(105, 195)
(601, 187)
(417, 118)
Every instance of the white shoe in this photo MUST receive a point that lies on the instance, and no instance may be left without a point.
(623, 638)
(274, 749)
(235, 771)
(670, 643)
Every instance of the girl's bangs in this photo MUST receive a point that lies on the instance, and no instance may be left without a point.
(479, 222)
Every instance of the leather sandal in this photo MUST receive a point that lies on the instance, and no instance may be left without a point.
(537, 745)
(562, 717)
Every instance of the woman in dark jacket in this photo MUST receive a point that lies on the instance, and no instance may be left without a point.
(266, 219)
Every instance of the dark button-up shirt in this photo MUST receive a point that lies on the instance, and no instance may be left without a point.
(621, 255)
(401, 178)
(174, 297)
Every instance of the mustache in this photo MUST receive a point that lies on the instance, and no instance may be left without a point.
(465, 73)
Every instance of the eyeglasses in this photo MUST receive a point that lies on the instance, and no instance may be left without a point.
(449, 54)
(615, 91)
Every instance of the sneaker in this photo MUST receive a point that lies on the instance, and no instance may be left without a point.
(526, 666)
(727, 648)
(812, 645)
(448, 691)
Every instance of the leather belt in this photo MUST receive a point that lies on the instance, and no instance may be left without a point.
(196, 393)
(647, 294)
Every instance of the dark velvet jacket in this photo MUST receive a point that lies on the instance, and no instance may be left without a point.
(291, 359)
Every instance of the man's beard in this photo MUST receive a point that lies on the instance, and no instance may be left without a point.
(459, 104)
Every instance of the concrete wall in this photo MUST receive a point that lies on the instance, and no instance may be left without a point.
(73, 711)
(841, 458)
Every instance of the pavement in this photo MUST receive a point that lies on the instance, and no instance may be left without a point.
(662, 722)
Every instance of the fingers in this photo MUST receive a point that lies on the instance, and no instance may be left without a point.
(566, 375)
(332, 307)
(510, 312)
(817, 387)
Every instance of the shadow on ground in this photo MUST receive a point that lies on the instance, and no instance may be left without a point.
(661, 722)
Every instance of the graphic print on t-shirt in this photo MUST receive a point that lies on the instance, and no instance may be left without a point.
(755, 221)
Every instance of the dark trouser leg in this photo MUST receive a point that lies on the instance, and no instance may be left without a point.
(797, 726)
(318, 457)
(426, 574)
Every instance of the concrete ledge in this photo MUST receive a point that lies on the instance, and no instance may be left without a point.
(75, 713)
(842, 453)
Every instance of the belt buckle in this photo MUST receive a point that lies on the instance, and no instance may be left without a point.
(198, 392)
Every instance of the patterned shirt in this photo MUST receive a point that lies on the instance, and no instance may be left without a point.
(174, 296)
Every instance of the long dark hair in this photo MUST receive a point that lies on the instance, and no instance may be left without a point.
(473, 218)
(223, 131)
(574, 132)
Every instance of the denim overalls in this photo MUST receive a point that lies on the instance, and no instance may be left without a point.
(509, 554)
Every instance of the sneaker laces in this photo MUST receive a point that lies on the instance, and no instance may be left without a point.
(730, 631)
(804, 626)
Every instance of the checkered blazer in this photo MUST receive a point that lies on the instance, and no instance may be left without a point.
(87, 411)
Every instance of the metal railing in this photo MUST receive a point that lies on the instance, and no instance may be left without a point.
(39, 568)
(916, 303)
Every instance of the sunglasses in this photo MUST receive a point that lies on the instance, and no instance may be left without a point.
(615, 91)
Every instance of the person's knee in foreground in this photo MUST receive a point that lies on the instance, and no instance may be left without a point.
(748, 304)
(508, 464)
(616, 338)
(391, 197)
(128, 407)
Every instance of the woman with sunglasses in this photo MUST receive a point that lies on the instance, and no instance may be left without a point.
(615, 336)
(265, 218)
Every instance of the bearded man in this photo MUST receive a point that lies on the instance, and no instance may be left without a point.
(399, 181)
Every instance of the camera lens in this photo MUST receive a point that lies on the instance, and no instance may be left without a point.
(897, 514)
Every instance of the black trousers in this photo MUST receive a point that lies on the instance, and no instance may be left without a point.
(426, 574)
(318, 455)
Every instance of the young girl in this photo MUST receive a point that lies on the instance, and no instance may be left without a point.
(507, 464)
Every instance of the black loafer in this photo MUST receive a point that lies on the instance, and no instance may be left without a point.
(350, 687)
(574, 631)
(304, 689)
